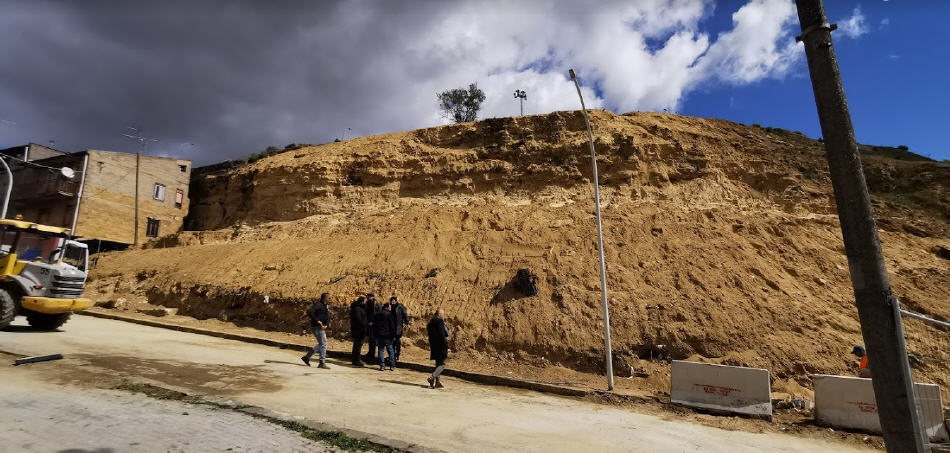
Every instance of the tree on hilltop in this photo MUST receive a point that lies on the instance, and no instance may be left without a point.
(461, 105)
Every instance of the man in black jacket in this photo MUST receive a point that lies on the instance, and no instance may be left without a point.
(319, 315)
(384, 329)
(401, 318)
(438, 347)
(371, 307)
(359, 326)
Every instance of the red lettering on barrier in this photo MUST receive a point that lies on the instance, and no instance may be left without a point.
(717, 390)
(864, 407)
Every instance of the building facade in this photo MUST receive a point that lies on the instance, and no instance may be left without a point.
(99, 201)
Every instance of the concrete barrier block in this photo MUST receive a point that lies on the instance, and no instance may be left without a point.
(848, 402)
(721, 388)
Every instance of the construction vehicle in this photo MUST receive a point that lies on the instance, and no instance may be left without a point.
(42, 274)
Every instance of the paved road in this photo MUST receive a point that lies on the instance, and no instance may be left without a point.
(464, 417)
(42, 417)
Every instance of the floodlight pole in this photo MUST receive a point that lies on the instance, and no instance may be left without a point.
(600, 241)
(521, 95)
(878, 310)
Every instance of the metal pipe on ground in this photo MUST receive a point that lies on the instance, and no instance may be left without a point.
(878, 309)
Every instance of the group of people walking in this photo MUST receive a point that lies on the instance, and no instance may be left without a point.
(382, 326)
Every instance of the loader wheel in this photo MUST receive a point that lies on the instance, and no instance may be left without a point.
(7, 308)
(43, 321)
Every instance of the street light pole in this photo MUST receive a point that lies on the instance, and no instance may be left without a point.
(600, 241)
(878, 309)
(6, 198)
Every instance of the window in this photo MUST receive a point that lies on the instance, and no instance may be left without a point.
(151, 230)
(179, 197)
(183, 168)
(159, 193)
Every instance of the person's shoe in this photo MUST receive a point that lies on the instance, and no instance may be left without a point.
(431, 382)
(323, 365)
(392, 368)
(438, 384)
(382, 368)
(360, 363)
(305, 360)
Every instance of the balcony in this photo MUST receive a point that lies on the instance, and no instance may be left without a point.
(54, 186)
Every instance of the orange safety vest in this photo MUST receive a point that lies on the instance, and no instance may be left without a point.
(863, 370)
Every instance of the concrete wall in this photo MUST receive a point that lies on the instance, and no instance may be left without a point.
(107, 207)
(849, 402)
(721, 388)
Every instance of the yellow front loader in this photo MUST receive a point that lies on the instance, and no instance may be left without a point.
(42, 274)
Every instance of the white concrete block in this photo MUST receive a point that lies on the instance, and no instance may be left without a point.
(721, 388)
(848, 402)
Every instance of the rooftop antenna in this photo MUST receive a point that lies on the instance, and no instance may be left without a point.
(143, 141)
(521, 96)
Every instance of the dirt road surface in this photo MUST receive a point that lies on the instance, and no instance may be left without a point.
(394, 405)
(42, 417)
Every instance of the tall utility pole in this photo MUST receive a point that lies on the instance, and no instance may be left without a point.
(143, 142)
(608, 352)
(521, 96)
(878, 309)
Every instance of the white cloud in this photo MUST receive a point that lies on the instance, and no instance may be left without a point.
(856, 25)
(643, 55)
(885, 22)
(758, 45)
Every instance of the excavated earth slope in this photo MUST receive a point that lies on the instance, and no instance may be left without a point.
(722, 241)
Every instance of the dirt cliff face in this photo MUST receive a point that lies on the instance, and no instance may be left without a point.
(721, 241)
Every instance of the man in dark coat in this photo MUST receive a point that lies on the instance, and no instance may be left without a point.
(359, 327)
(384, 329)
(438, 346)
(401, 318)
(319, 315)
(371, 308)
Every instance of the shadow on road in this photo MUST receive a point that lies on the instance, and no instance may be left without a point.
(286, 363)
(28, 329)
(410, 384)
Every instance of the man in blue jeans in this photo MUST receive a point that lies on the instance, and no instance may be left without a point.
(319, 315)
(384, 329)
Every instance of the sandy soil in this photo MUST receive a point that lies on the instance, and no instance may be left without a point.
(721, 239)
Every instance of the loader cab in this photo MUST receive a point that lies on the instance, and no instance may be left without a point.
(33, 243)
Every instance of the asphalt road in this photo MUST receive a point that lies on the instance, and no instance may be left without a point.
(464, 417)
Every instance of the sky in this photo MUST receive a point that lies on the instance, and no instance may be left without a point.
(218, 80)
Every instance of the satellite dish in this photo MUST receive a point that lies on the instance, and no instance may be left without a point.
(67, 172)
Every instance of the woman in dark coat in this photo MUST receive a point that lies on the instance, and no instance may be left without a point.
(438, 346)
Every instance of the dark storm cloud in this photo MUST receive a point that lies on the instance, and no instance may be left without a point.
(234, 77)
(231, 77)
